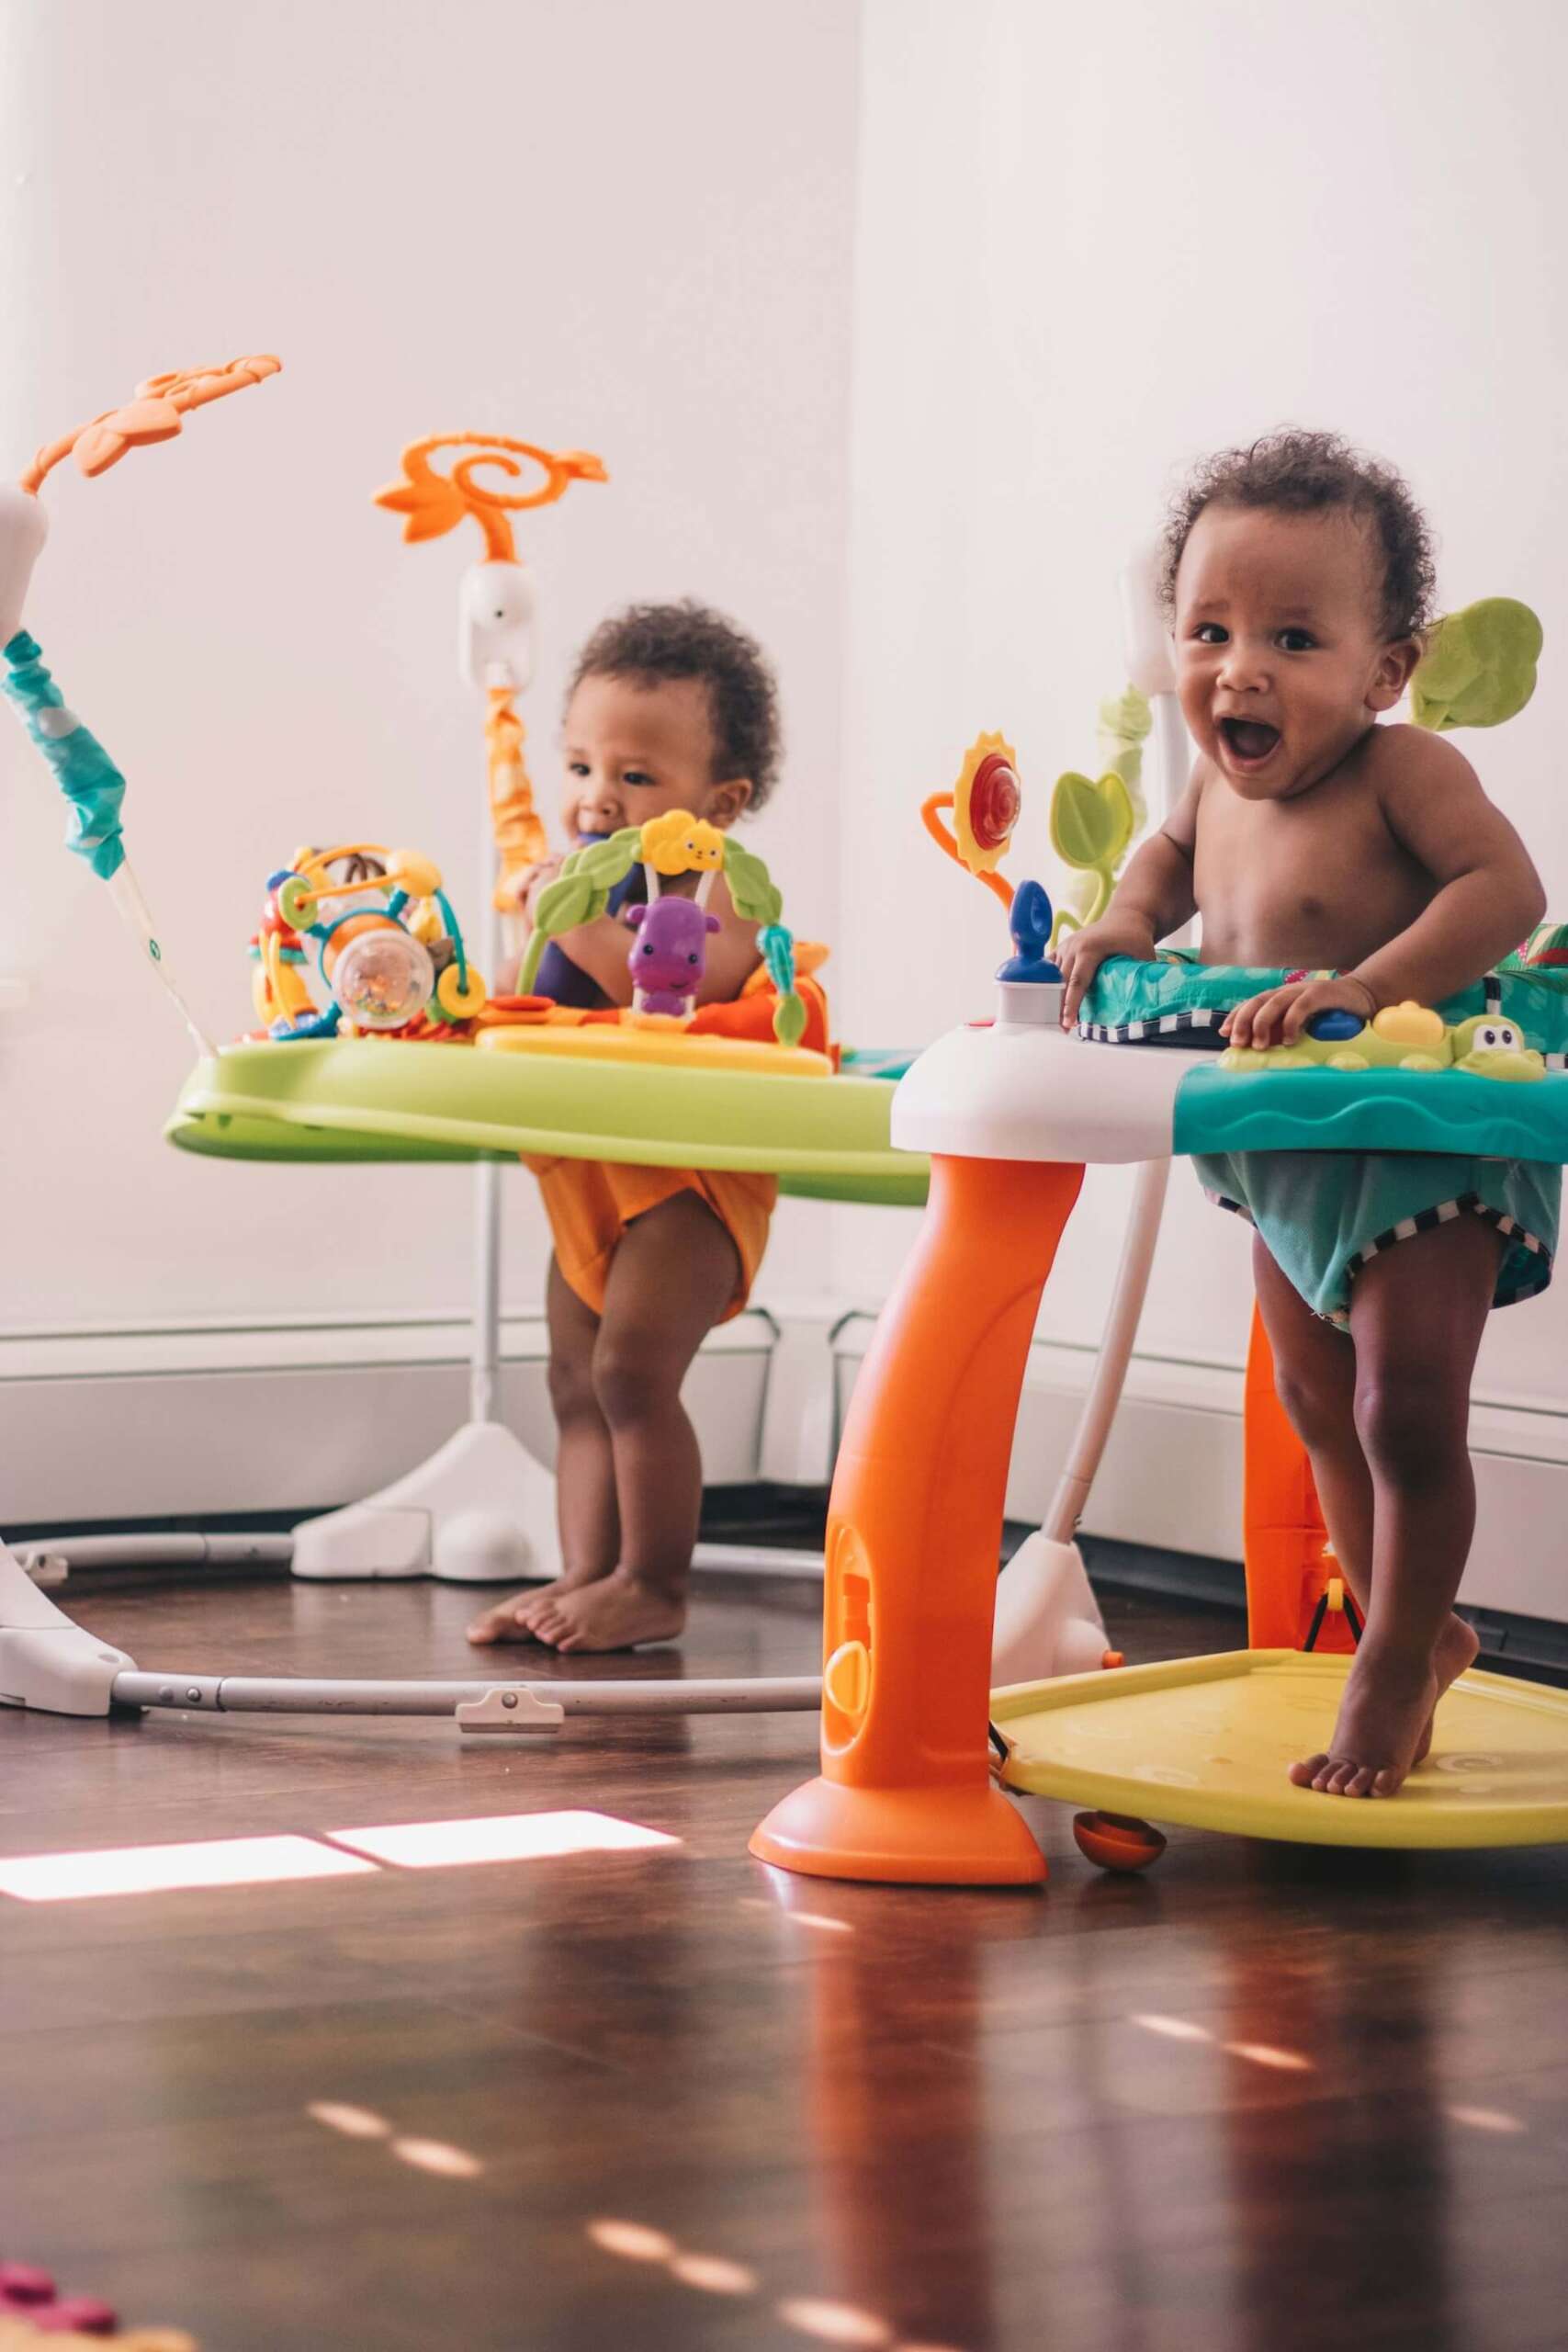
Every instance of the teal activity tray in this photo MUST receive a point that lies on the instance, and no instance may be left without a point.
(1206, 1741)
(1448, 1110)
(364, 1099)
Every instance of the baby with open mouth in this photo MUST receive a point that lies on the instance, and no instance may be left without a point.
(1366, 860)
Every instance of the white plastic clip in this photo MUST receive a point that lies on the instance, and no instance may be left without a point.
(510, 1706)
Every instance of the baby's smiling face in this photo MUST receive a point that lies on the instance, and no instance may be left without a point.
(1281, 662)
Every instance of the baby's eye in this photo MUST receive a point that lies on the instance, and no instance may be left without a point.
(1296, 641)
(577, 767)
(1211, 633)
(636, 775)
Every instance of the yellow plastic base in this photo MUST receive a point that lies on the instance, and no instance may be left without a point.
(904, 1836)
(666, 1046)
(1207, 1741)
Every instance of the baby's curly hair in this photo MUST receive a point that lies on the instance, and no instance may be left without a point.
(649, 642)
(1312, 473)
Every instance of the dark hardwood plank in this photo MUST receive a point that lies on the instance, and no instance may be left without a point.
(1266, 2097)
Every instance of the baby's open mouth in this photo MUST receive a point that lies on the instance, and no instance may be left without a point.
(1248, 740)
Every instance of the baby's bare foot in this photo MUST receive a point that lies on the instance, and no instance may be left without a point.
(1456, 1652)
(616, 1612)
(518, 1619)
(1385, 1713)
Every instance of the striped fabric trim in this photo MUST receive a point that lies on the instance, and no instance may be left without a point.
(1139, 1033)
(1526, 1280)
(1529, 1278)
(1209, 1016)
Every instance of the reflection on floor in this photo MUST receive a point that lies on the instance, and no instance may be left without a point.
(657, 2096)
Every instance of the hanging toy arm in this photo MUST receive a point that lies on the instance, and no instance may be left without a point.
(496, 609)
(579, 894)
(521, 842)
(91, 781)
(757, 898)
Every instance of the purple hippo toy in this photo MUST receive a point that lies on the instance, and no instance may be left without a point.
(669, 955)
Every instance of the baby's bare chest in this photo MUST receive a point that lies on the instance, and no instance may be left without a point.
(1308, 880)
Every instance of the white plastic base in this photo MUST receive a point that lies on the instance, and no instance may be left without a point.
(45, 1660)
(1048, 1620)
(482, 1511)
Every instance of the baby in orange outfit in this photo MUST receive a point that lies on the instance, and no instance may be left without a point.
(669, 707)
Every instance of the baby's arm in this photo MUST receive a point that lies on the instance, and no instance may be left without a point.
(1490, 896)
(732, 950)
(1153, 899)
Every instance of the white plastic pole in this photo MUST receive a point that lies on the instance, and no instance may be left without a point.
(484, 1364)
(1115, 1353)
(230, 1695)
(1149, 662)
(187, 1550)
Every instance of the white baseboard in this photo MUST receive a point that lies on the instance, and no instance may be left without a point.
(1172, 1477)
(104, 1426)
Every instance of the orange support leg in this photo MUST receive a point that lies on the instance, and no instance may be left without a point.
(914, 1530)
(1284, 1536)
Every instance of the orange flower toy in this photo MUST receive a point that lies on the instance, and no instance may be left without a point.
(986, 802)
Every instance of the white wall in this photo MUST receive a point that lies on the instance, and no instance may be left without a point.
(1095, 243)
(603, 225)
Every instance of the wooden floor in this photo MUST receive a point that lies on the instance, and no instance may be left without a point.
(1267, 2098)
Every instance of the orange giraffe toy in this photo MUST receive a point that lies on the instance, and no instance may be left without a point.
(497, 639)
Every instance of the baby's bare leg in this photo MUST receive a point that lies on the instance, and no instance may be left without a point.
(585, 1470)
(1417, 1314)
(1316, 1374)
(671, 1278)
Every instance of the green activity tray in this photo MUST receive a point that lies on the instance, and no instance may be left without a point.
(1206, 1741)
(366, 1099)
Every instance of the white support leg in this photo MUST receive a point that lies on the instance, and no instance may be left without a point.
(1048, 1620)
(45, 1660)
(482, 1511)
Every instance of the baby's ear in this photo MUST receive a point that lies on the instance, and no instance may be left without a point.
(1396, 667)
(729, 799)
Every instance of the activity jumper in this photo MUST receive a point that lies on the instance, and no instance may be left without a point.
(1011, 1109)
(379, 1039)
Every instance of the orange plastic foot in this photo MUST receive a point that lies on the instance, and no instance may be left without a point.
(908, 1836)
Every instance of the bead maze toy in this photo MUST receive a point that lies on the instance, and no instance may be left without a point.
(398, 969)
(1011, 1109)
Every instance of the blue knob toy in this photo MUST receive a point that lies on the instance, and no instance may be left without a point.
(1030, 920)
(1335, 1026)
